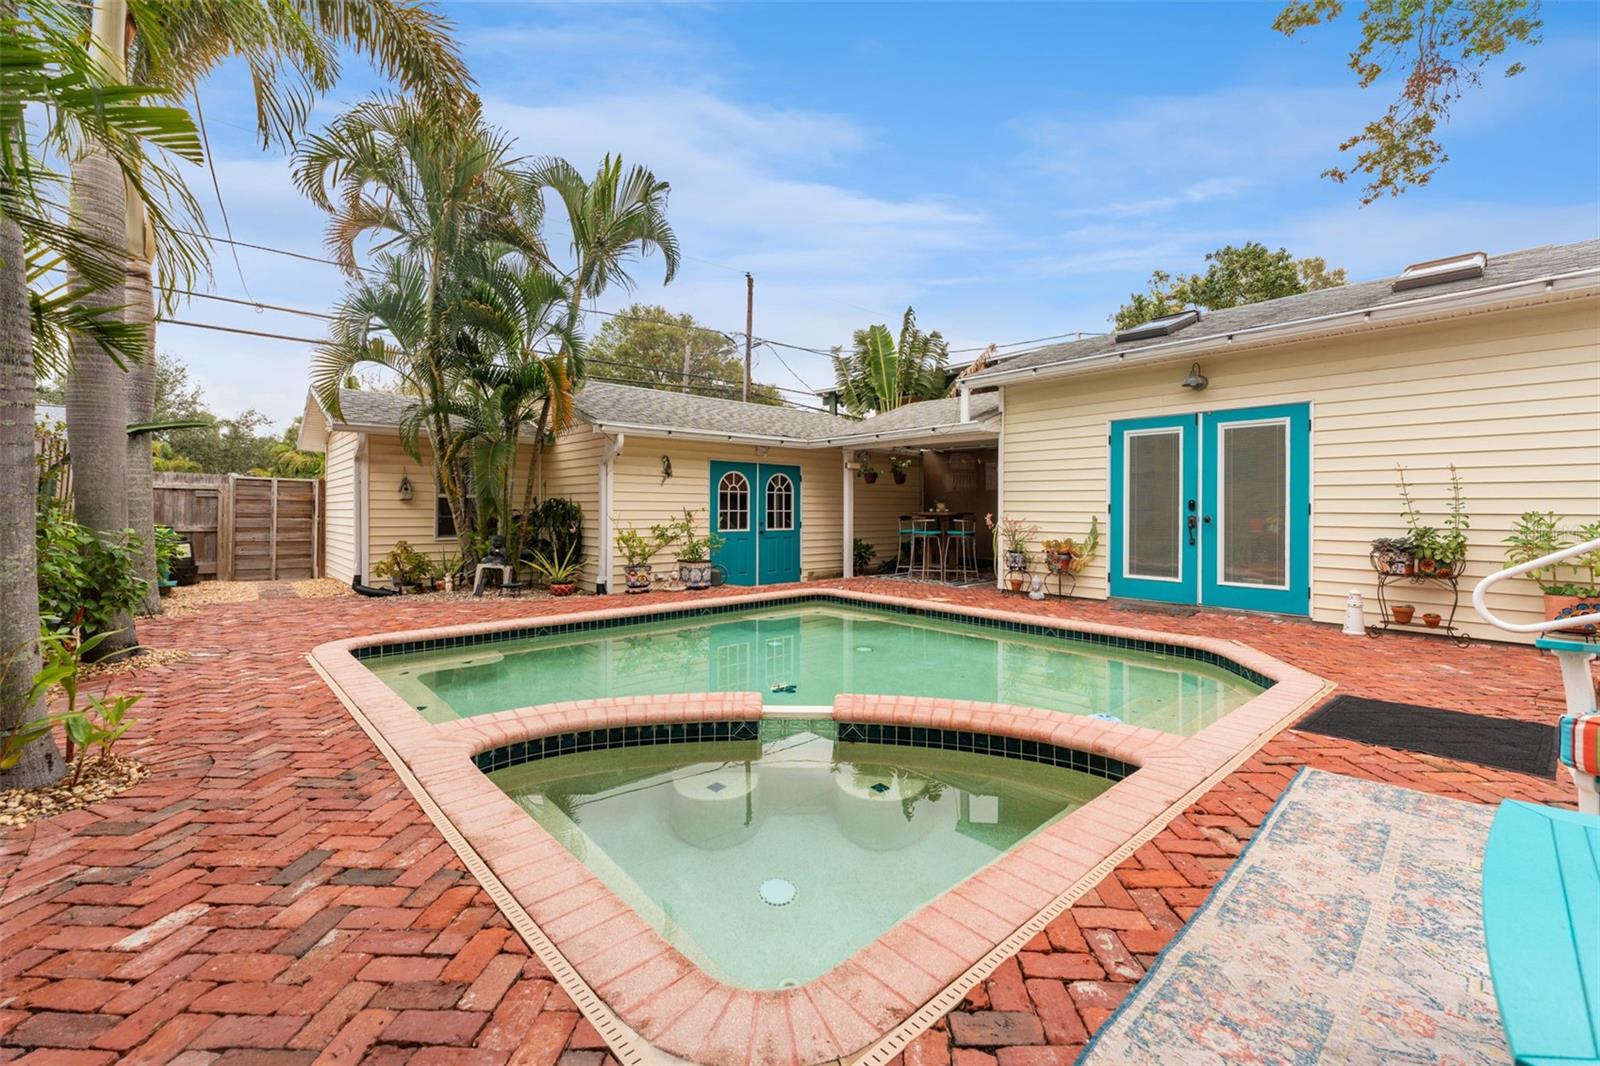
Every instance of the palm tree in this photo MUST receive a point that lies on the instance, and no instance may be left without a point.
(614, 220)
(524, 316)
(75, 101)
(434, 185)
(881, 373)
(291, 50)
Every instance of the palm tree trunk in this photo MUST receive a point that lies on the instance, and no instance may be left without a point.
(19, 580)
(535, 466)
(141, 400)
(97, 405)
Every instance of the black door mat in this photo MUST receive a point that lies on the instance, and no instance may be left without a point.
(1503, 743)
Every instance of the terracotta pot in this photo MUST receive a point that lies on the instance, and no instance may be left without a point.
(1403, 612)
(638, 577)
(562, 588)
(870, 479)
(694, 573)
(1016, 584)
(1431, 620)
(1569, 606)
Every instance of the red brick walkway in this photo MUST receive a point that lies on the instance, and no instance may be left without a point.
(271, 893)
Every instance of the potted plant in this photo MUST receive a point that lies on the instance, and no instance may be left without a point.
(898, 466)
(869, 473)
(1393, 555)
(694, 552)
(558, 568)
(1438, 552)
(405, 567)
(1571, 587)
(638, 549)
(1431, 620)
(1403, 613)
(864, 552)
(1013, 535)
(1071, 556)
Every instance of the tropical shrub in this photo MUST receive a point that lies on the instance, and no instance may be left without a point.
(693, 548)
(864, 551)
(555, 528)
(405, 564)
(85, 582)
(639, 547)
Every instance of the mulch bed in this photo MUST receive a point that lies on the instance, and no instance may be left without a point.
(102, 778)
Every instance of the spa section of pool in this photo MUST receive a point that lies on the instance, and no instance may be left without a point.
(769, 860)
(806, 654)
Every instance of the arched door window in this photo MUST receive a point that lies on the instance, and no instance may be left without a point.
(780, 502)
(733, 503)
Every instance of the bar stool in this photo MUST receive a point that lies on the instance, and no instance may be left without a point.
(926, 534)
(962, 541)
(902, 559)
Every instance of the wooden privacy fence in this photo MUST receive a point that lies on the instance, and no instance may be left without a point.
(245, 528)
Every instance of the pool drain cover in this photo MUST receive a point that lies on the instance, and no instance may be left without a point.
(777, 892)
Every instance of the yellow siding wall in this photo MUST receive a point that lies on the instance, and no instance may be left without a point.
(572, 469)
(339, 507)
(879, 507)
(641, 498)
(1512, 399)
(391, 519)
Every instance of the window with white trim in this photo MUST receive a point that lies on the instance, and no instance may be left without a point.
(780, 502)
(733, 503)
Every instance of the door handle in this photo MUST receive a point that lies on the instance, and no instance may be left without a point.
(1192, 526)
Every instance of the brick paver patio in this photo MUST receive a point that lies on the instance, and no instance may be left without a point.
(271, 893)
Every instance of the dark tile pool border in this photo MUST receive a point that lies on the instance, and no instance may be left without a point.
(572, 743)
(1067, 634)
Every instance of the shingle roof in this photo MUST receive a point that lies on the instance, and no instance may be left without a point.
(1526, 265)
(631, 405)
(603, 403)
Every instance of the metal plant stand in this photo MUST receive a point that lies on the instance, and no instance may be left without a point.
(1386, 615)
(1066, 581)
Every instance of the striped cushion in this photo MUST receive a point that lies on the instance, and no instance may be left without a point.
(1580, 742)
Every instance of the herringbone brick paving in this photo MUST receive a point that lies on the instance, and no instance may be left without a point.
(271, 893)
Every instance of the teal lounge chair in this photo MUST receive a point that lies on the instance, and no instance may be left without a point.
(1541, 918)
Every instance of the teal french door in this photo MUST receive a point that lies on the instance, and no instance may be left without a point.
(732, 494)
(755, 509)
(1214, 508)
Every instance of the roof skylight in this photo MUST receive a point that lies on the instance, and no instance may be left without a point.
(1439, 271)
(1159, 327)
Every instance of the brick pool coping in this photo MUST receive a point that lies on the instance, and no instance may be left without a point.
(647, 998)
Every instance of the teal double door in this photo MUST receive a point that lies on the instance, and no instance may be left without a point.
(755, 509)
(1214, 508)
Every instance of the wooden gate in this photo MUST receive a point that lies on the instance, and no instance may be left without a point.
(245, 528)
(191, 505)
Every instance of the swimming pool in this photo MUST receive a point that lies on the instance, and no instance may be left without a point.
(770, 861)
(806, 655)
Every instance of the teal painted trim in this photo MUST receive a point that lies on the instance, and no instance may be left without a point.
(1185, 588)
(1567, 644)
(1295, 596)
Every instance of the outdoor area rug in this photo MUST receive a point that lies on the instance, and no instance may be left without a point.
(1504, 743)
(1349, 931)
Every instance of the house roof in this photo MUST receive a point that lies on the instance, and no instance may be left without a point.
(631, 408)
(1221, 327)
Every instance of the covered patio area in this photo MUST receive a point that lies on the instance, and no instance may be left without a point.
(943, 475)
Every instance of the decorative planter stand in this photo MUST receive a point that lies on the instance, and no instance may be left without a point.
(1386, 614)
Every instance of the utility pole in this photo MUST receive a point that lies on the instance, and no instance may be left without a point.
(684, 379)
(749, 327)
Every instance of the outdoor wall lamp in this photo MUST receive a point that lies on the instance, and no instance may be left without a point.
(666, 468)
(405, 488)
(1196, 380)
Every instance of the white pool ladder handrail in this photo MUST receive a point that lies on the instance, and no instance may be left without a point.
(1479, 593)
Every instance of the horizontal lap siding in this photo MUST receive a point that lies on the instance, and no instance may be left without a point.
(641, 497)
(339, 518)
(571, 469)
(391, 519)
(879, 507)
(1512, 399)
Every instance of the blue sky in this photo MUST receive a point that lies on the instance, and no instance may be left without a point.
(1012, 171)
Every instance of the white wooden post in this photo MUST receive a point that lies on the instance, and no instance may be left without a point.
(849, 522)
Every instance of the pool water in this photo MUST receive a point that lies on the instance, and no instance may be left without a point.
(770, 862)
(804, 656)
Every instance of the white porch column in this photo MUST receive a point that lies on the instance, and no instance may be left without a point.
(1000, 492)
(849, 522)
